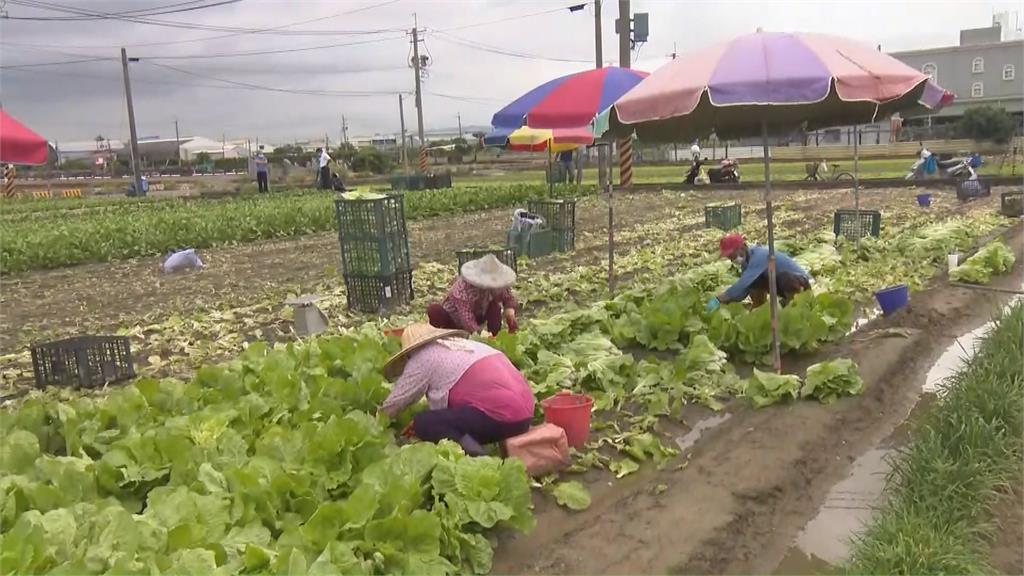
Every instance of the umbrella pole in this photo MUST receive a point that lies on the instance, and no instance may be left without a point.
(856, 180)
(551, 182)
(772, 289)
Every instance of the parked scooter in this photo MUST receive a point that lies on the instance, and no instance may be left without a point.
(964, 168)
(694, 173)
(728, 171)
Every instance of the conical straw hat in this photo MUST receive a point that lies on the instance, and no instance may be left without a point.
(414, 337)
(488, 272)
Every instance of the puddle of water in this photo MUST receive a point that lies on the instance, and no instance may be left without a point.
(953, 358)
(686, 441)
(795, 562)
(847, 508)
(868, 317)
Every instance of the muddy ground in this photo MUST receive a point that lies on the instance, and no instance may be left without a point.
(750, 484)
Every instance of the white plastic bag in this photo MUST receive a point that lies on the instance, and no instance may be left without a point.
(182, 260)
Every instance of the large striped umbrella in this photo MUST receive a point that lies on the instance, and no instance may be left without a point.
(565, 105)
(783, 79)
(771, 81)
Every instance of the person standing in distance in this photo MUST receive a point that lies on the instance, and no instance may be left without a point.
(262, 170)
(325, 171)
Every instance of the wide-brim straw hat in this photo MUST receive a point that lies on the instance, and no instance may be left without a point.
(488, 272)
(414, 337)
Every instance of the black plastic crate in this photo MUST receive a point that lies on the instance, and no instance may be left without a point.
(1011, 204)
(83, 361)
(559, 217)
(506, 255)
(378, 293)
(723, 217)
(847, 224)
(437, 181)
(967, 190)
(373, 237)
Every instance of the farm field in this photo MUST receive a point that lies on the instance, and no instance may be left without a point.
(656, 364)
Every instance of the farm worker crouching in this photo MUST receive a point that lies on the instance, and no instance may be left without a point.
(790, 278)
(476, 396)
(479, 294)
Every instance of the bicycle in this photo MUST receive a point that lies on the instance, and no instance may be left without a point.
(813, 171)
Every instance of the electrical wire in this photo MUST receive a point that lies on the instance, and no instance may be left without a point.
(451, 38)
(234, 30)
(273, 89)
(43, 64)
(129, 15)
(509, 18)
(277, 51)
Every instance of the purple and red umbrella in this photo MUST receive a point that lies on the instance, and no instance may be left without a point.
(564, 105)
(786, 79)
(772, 81)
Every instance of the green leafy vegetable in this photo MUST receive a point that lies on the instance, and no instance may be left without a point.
(572, 495)
(766, 388)
(829, 380)
(994, 258)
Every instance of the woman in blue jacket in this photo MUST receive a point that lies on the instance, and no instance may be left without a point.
(790, 278)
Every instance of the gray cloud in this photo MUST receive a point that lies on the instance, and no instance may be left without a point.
(75, 102)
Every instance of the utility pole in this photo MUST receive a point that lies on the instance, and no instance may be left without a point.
(402, 151)
(602, 172)
(223, 145)
(459, 116)
(419, 94)
(623, 28)
(177, 142)
(344, 129)
(134, 147)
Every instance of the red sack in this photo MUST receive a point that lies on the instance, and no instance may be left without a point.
(543, 449)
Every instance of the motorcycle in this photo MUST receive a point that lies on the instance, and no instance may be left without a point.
(728, 171)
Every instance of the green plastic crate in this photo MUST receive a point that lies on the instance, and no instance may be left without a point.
(723, 217)
(560, 217)
(506, 255)
(375, 258)
(846, 223)
(532, 244)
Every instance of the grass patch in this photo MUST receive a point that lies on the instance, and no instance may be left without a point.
(964, 455)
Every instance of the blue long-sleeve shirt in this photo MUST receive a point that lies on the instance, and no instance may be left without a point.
(757, 264)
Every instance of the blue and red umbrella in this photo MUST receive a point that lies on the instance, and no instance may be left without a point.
(564, 105)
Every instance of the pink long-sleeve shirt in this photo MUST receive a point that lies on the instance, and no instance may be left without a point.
(465, 303)
(497, 388)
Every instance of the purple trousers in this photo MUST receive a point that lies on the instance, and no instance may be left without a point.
(458, 423)
(440, 318)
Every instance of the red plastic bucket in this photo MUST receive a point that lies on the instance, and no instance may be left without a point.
(570, 412)
(394, 332)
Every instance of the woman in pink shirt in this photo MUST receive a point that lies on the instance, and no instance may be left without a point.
(476, 396)
(481, 293)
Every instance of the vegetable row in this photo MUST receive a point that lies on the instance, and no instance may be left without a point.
(152, 228)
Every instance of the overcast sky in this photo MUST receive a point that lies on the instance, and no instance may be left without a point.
(360, 46)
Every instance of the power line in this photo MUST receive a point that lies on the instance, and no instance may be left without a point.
(42, 64)
(502, 51)
(510, 18)
(231, 30)
(273, 89)
(127, 15)
(278, 51)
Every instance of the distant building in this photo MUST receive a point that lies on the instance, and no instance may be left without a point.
(986, 67)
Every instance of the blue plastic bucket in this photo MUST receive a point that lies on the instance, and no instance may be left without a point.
(893, 298)
(924, 200)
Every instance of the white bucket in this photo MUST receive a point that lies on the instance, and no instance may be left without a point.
(952, 261)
